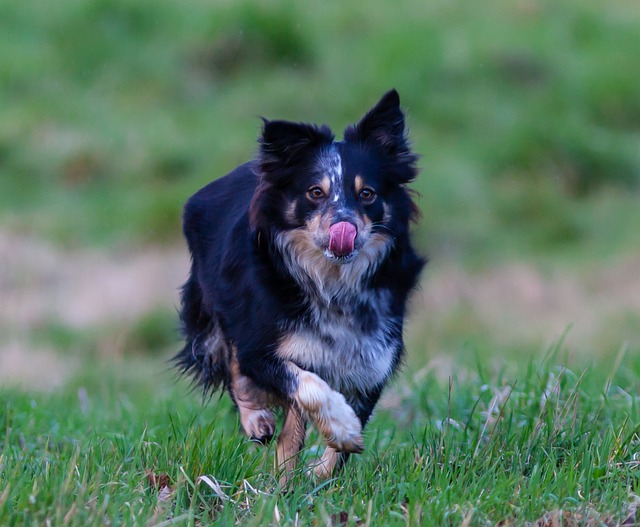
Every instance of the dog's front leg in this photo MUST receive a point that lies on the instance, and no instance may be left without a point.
(290, 442)
(328, 410)
(330, 463)
(306, 396)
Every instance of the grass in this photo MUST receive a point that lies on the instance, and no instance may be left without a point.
(527, 114)
(486, 446)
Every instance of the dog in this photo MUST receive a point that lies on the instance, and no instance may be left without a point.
(301, 268)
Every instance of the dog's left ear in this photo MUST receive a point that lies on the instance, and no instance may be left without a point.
(383, 127)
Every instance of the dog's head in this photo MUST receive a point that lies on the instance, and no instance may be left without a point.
(333, 201)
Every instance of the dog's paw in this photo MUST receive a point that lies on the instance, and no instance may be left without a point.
(331, 413)
(259, 424)
(345, 429)
(330, 462)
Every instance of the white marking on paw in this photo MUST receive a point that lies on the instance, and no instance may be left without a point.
(258, 424)
(330, 412)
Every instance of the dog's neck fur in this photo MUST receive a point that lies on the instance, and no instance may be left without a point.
(328, 281)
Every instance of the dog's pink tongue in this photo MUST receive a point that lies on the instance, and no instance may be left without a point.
(342, 236)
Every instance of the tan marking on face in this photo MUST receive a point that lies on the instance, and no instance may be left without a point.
(366, 220)
(300, 246)
(358, 184)
(309, 263)
(313, 223)
(325, 185)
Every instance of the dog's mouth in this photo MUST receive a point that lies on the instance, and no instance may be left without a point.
(340, 259)
(342, 242)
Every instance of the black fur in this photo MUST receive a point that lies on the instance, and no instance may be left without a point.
(243, 293)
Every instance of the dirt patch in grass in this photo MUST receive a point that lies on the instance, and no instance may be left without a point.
(33, 368)
(40, 282)
(42, 285)
(596, 305)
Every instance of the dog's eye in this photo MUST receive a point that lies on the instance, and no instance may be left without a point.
(367, 195)
(315, 193)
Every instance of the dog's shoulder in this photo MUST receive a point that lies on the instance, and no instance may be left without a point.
(213, 216)
(228, 196)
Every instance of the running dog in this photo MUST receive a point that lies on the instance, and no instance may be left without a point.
(301, 267)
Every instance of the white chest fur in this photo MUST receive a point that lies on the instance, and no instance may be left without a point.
(353, 349)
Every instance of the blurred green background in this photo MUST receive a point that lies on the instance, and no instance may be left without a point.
(526, 114)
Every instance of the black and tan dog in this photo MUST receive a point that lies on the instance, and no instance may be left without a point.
(301, 269)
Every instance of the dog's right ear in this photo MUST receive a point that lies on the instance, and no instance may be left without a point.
(283, 144)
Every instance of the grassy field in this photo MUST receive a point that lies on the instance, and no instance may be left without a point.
(487, 447)
(519, 401)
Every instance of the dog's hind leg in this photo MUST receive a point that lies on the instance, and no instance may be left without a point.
(257, 419)
(290, 442)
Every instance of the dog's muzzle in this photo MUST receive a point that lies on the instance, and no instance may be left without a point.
(342, 237)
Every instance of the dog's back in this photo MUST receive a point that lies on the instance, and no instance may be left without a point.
(215, 224)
